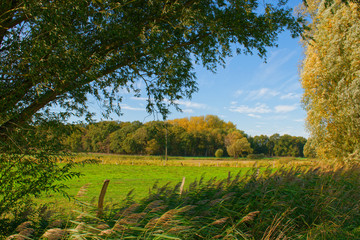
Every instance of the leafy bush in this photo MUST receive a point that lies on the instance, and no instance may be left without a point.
(29, 166)
(256, 156)
(24, 176)
(219, 153)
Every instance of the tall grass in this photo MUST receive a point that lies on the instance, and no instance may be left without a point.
(290, 203)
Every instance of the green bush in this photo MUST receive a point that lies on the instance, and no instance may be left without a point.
(219, 153)
(29, 166)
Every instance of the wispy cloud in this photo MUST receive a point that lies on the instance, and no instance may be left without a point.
(273, 69)
(285, 108)
(139, 98)
(259, 108)
(254, 115)
(291, 96)
(127, 107)
(299, 120)
(261, 93)
(238, 93)
(188, 110)
(190, 104)
(187, 104)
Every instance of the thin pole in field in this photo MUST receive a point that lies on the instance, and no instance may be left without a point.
(101, 198)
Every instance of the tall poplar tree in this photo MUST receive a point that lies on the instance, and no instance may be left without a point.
(330, 76)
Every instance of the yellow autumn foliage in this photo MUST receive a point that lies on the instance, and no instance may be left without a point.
(330, 76)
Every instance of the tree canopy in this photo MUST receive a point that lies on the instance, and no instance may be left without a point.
(331, 81)
(58, 53)
(195, 136)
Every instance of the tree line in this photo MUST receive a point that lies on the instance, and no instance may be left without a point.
(194, 136)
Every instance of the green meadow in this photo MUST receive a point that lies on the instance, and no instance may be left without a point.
(138, 174)
(139, 178)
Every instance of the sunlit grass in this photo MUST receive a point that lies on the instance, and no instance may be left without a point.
(289, 202)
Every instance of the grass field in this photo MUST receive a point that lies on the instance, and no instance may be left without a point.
(140, 173)
(140, 178)
(287, 199)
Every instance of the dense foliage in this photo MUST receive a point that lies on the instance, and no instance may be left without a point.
(57, 53)
(29, 166)
(195, 136)
(331, 81)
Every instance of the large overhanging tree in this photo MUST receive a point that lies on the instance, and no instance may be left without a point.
(61, 52)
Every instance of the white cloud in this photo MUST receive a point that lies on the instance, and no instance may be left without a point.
(299, 120)
(238, 93)
(139, 98)
(259, 108)
(285, 108)
(254, 115)
(291, 96)
(188, 111)
(262, 93)
(127, 107)
(189, 104)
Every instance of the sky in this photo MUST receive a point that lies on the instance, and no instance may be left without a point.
(258, 97)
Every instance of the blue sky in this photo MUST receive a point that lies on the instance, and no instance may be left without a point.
(259, 97)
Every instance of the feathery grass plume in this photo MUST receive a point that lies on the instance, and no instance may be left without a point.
(119, 227)
(17, 237)
(249, 217)
(234, 228)
(278, 228)
(102, 226)
(131, 219)
(152, 223)
(178, 229)
(159, 209)
(24, 231)
(127, 211)
(54, 234)
(56, 223)
(80, 217)
(80, 227)
(220, 221)
(153, 204)
(83, 190)
(107, 233)
(24, 226)
(167, 216)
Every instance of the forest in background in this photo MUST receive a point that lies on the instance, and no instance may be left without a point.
(194, 136)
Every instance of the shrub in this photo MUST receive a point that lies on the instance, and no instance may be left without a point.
(29, 166)
(219, 153)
